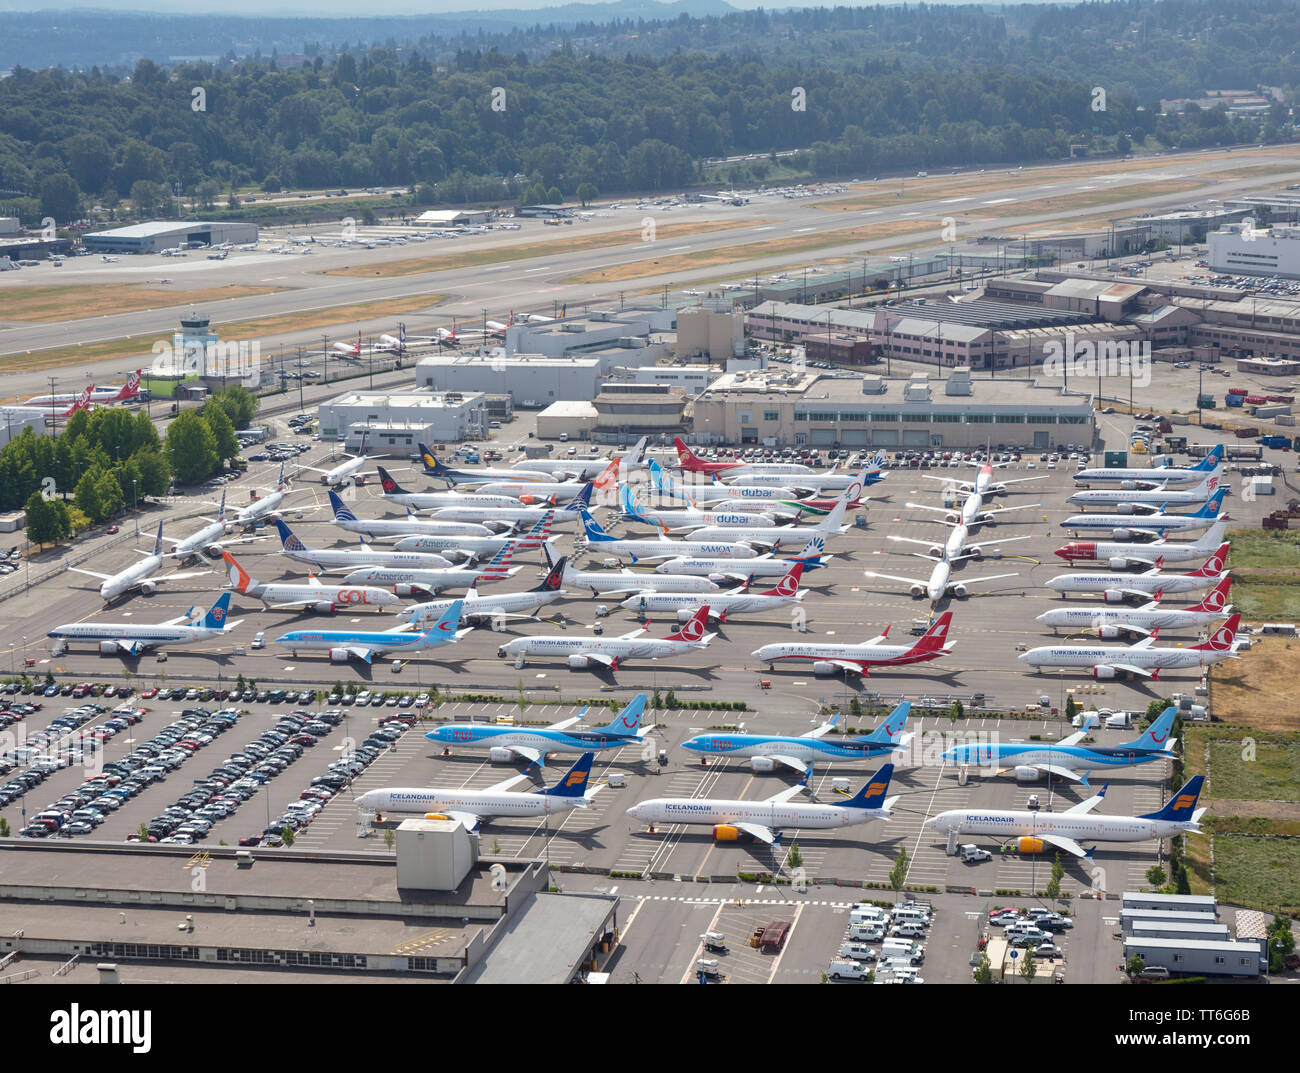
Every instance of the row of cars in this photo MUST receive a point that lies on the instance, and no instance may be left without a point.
(896, 930)
(76, 690)
(1034, 928)
(50, 748)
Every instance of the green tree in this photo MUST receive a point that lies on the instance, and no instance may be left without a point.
(143, 831)
(1122, 145)
(87, 494)
(855, 706)
(109, 493)
(155, 472)
(1071, 708)
(389, 837)
(1028, 967)
(42, 521)
(206, 194)
(191, 448)
(60, 197)
(287, 836)
(984, 971)
(1135, 964)
(1182, 883)
(1053, 890)
(554, 197)
(147, 196)
(670, 701)
(223, 432)
(1156, 876)
(239, 403)
(794, 858)
(898, 874)
(587, 193)
(957, 711)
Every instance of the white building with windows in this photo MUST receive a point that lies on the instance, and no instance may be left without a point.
(1244, 250)
(399, 423)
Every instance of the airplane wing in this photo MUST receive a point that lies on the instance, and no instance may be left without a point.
(182, 577)
(314, 469)
(790, 762)
(633, 633)
(757, 830)
(784, 795)
(1067, 844)
(936, 510)
(564, 724)
(1071, 739)
(826, 727)
(949, 480)
(89, 573)
(134, 648)
(469, 819)
(1059, 771)
(1084, 807)
(600, 657)
(1000, 540)
(1141, 672)
(501, 787)
(981, 580)
(923, 543)
(1022, 480)
(1003, 510)
(528, 753)
(895, 577)
(845, 665)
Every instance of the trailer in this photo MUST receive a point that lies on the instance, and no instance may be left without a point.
(1195, 903)
(1196, 957)
(1243, 453)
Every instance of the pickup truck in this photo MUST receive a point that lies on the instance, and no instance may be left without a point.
(973, 854)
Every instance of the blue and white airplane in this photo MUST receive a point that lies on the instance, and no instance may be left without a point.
(1122, 526)
(506, 742)
(1066, 758)
(131, 638)
(765, 751)
(1160, 476)
(344, 645)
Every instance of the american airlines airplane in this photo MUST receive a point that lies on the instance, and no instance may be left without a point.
(859, 659)
(1123, 526)
(132, 639)
(1125, 501)
(1034, 832)
(472, 807)
(1119, 587)
(138, 575)
(344, 645)
(1067, 759)
(765, 751)
(314, 596)
(506, 743)
(1118, 556)
(1109, 623)
(1142, 659)
(1158, 477)
(764, 820)
(582, 653)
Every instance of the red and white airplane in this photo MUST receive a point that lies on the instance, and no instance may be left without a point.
(349, 350)
(82, 401)
(692, 463)
(859, 659)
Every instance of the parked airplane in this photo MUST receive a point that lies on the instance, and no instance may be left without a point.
(765, 751)
(348, 350)
(138, 575)
(131, 639)
(1161, 476)
(598, 470)
(1109, 623)
(82, 401)
(495, 609)
(435, 468)
(1066, 758)
(472, 807)
(513, 517)
(268, 507)
(984, 484)
(764, 820)
(859, 659)
(622, 582)
(688, 461)
(809, 484)
(529, 491)
(505, 743)
(1118, 556)
(1118, 587)
(666, 486)
(684, 519)
(765, 565)
(395, 493)
(352, 558)
(374, 528)
(418, 582)
(972, 511)
(1045, 832)
(1141, 659)
(314, 596)
(104, 394)
(206, 540)
(344, 645)
(940, 583)
(1124, 501)
(737, 602)
(1123, 526)
(585, 652)
(956, 548)
(394, 344)
(345, 471)
(471, 549)
(599, 541)
(778, 536)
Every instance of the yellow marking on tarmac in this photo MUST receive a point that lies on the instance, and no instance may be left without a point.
(199, 860)
(433, 938)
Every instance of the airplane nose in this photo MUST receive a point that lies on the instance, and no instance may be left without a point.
(634, 811)
(1023, 657)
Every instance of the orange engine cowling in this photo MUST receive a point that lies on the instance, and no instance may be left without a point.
(436, 816)
(1030, 845)
(724, 832)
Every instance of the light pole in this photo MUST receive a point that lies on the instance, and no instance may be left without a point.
(135, 508)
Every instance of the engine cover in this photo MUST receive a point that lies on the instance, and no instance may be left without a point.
(213, 551)
(148, 587)
(762, 764)
(1122, 534)
(406, 588)
(1125, 508)
(959, 590)
(1025, 773)
(1109, 633)
(108, 648)
(1104, 673)
(579, 663)
(685, 614)
(499, 755)
(724, 832)
(1128, 486)
(1030, 845)
(918, 590)
(936, 552)
(323, 607)
(822, 668)
(1116, 563)
(1113, 596)
(340, 655)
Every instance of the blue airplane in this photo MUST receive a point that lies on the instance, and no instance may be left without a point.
(343, 645)
(766, 750)
(534, 744)
(1067, 759)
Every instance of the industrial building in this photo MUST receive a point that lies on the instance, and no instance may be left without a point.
(454, 217)
(711, 330)
(1189, 225)
(1196, 957)
(159, 235)
(606, 331)
(400, 422)
(690, 378)
(1250, 251)
(803, 408)
(533, 381)
(1181, 932)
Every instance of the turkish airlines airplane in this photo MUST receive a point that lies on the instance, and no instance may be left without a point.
(584, 652)
(1140, 660)
(859, 659)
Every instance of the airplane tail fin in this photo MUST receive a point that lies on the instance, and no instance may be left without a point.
(692, 630)
(637, 454)
(574, 783)
(341, 512)
(686, 457)
(628, 721)
(891, 730)
(498, 566)
(934, 638)
(555, 578)
(595, 534)
(1155, 738)
(1217, 598)
(1211, 460)
(215, 619)
(130, 389)
(582, 501)
(388, 485)
(1213, 565)
(434, 466)
(608, 477)
(1223, 637)
(1212, 506)
(445, 628)
(1180, 807)
(835, 518)
(289, 540)
(157, 542)
(221, 510)
(812, 551)
(239, 577)
(1212, 537)
(788, 585)
(872, 795)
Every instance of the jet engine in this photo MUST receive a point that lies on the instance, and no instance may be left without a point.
(323, 607)
(1029, 845)
(1116, 563)
(1114, 596)
(822, 668)
(762, 764)
(148, 587)
(213, 551)
(685, 614)
(340, 655)
(1122, 534)
(500, 755)
(1025, 773)
(408, 588)
(917, 590)
(579, 663)
(724, 832)
(959, 590)
(1128, 486)
(1104, 673)
(1125, 508)
(109, 648)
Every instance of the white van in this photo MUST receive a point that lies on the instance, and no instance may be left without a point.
(868, 914)
(857, 951)
(911, 916)
(867, 931)
(914, 953)
(847, 969)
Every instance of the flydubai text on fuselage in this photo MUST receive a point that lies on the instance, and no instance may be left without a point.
(1160, 476)
(315, 596)
(785, 536)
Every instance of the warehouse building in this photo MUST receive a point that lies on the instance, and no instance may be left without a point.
(1250, 251)
(627, 411)
(602, 330)
(710, 330)
(690, 378)
(533, 381)
(159, 235)
(803, 408)
(400, 422)
(454, 217)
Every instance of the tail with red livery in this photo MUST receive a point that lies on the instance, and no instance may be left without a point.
(694, 629)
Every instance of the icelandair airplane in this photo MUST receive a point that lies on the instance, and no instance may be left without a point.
(765, 751)
(1067, 758)
(1044, 832)
(764, 820)
(131, 639)
(471, 807)
(567, 736)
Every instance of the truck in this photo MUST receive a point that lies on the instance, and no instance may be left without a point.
(1232, 399)
(1238, 391)
(1281, 442)
(972, 854)
(770, 936)
(1237, 454)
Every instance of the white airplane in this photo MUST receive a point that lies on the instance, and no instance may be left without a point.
(765, 565)
(688, 461)
(599, 542)
(352, 558)
(471, 807)
(139, 575)
(109, 260)
(344, 645)
(738, 602)
(314, 596)
(764, 820)
(685, 519)
(345, 471)
(512, 517)
(622, 582)
(603, 472)
(206, 540)
(1044, 832)
(777, 536)
(417, 582)
(131, 639)
(493, 609)
(434, 467)
(298, 240)
(496, 327)
(394, 344)
(1129, 502)
(1141, 659)
(400, 527)
(1162, 476)
(1122, 526)
(347, 350)
(859, 659)
(585, 652)
(1118, 556)
(830, 482)
(1109, 623)
(395, 493)
(940, 583)
(268, 507)
(533, 492)
(1119, 587)
(972, 511)
(471, 549)
(984, 484)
